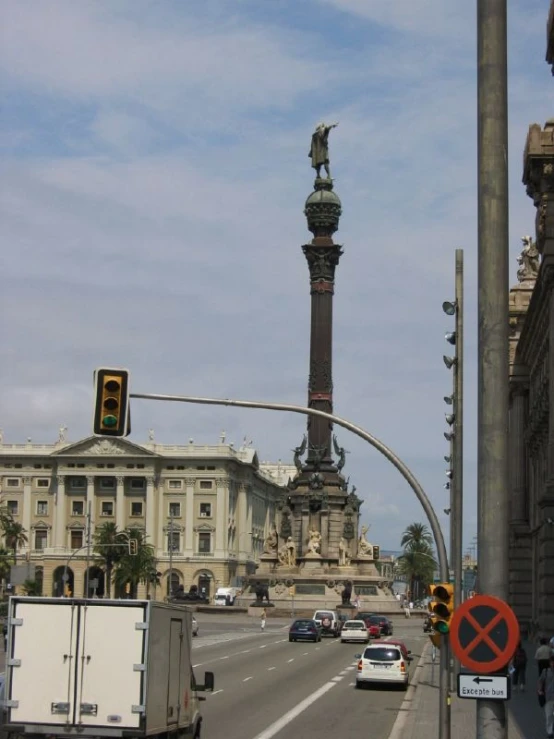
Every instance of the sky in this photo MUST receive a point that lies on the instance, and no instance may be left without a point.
(154, 173)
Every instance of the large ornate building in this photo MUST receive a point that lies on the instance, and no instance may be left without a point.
(205, 509)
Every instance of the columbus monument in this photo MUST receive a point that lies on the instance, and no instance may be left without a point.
(315, 548)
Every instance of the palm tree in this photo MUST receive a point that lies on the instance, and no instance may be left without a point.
(415, 534)
(31, 587)
(418, 564)
(14, 533)
(133, 569)
(109, 545)
(6, 562)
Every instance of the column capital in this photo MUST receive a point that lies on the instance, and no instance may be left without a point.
(120, 480)
(27, 480)
(90, 479)
(61, 480)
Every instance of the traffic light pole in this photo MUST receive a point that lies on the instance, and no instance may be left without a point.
(493, 239)
(444, 692)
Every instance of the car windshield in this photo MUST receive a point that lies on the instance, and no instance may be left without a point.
(302, 624)
(382, 654)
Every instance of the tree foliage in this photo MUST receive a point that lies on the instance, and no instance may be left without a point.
(417, 561)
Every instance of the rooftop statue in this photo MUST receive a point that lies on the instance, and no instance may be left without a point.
(319, 150)
(528, 260)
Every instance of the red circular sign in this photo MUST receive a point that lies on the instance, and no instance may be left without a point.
(484, 633)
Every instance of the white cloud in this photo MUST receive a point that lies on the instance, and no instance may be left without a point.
(154, 180)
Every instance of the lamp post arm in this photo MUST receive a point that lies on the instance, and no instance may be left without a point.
(385, 451)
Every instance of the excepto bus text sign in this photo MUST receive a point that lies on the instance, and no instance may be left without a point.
(489, 687)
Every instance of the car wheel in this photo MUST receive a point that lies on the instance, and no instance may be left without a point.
(359, 685)
(290, 638)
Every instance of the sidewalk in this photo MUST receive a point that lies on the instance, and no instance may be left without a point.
(420, 720)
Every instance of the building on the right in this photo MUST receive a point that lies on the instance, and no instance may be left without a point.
(531, 315)
(550, 36)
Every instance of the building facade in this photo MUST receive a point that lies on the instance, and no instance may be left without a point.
(206, 510)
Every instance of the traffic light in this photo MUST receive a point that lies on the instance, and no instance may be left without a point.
(376, 552)
(441, 606)
(112, 415)
(133, 547)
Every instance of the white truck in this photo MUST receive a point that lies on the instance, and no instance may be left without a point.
(100, 668)
(225, 596)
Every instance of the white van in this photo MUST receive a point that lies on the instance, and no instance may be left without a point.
(225, 596)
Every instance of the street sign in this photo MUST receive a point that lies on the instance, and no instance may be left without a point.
(484, 633)
(489, 687)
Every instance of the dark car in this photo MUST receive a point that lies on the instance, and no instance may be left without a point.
(304, 629)
(383, 622)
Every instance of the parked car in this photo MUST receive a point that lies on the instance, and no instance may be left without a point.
(383, 622)
(328, 621)
(355, 630)
(194, 626)
(382, 663)
(406, 653)
(304, 629)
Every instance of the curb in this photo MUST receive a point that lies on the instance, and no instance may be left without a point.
(398, 727)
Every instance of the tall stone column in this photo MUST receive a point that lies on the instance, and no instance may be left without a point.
(120, 504)
(162, 517)
(150, 512)
(27, 510)
(60, 521)
(220, 528)
(518, 455)
(90, 501)
(189, 545)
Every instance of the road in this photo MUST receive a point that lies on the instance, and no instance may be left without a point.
(267, 687)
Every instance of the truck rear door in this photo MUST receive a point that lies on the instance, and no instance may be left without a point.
(111, 635)
(42, 665)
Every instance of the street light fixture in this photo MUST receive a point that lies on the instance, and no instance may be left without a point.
(449, 435)
(449, 308)
(447, 511)
(449, 474)
(448, 399)
(451, 337)
(446, 486)
(450, 418)
(448, 458)
(449, 361)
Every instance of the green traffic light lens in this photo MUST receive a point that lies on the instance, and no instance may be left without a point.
(442, 627)
(109, 421)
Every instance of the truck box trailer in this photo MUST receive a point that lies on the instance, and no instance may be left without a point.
(102, 668)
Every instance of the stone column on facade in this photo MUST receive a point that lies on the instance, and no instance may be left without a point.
(518, 455)
(90, 503)
(150, 512)
(27, 510)
(60, 522)
(120, 504)
(188, 545)
(161, 538)
(220, 528)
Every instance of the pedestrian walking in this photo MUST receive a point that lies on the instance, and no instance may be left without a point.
(519, 665)
(407, 611)
(542, 655)
(546, 690)
(262, 619)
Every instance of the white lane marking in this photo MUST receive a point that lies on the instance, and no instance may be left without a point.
(199, 664)
(290, 660)
(337, 679)
(263, 646)
(246, 651)
(247, 678)
(217, 691)
(276, 727)
(270, 668)
(305, 653)
(351, 685)
(226, 657)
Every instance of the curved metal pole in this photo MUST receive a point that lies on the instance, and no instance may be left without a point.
(385, 451)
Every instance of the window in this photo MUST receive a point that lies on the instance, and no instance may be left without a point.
(206, 484)
(175, 510)
(37, 466)
(77, 508)
(136, 509)
(76, 539)
(137, 483)
(170, 467)
(175, 484)
(43, 482)
(204, 543)
(201, 467)
(140, 466)
(13, 507)
(77, 483)
(13, 482)
(210, 467)
(180, 466)
(173, 541)
(107, 483)
(205, 510)
(107, 508)
(41, 537)
(42, 508)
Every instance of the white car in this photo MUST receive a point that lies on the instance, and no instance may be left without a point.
(354, 631)
(194, 626)
(382, 663)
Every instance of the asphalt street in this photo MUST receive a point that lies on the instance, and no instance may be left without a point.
(267, 687)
